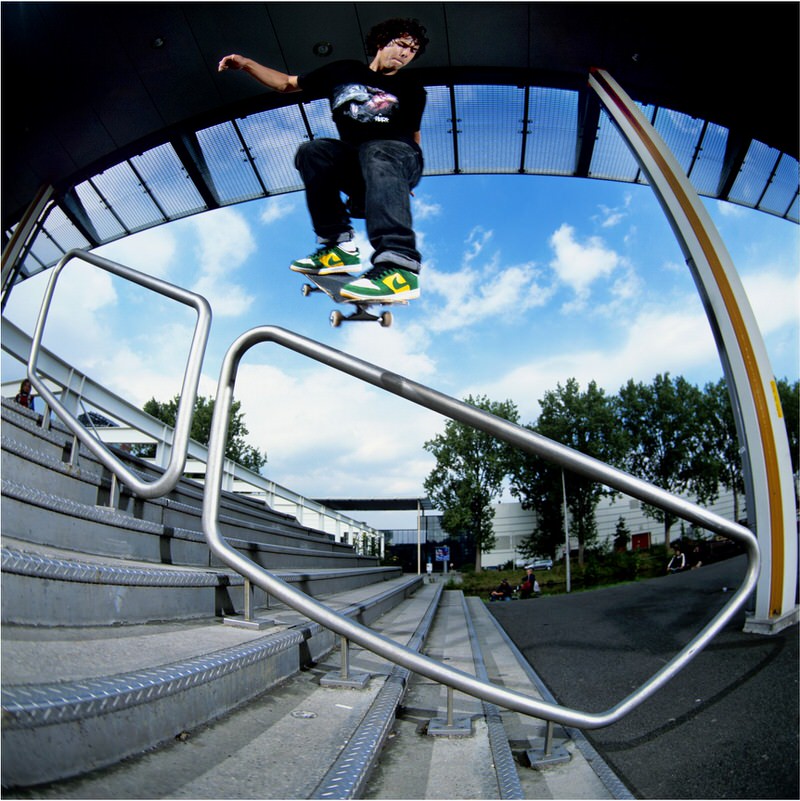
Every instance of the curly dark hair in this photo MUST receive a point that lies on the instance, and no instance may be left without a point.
(381, 34)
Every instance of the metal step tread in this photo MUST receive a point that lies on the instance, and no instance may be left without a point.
(53, 657)
(279, 745)
(46, 561)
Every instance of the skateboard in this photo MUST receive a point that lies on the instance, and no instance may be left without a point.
(331, 284)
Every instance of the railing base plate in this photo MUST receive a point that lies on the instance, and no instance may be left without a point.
(257, 623)
(355, 681)
(558, 756)
(460, 727)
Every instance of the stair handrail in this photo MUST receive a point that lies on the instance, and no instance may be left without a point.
(516, 436)
(173, 472)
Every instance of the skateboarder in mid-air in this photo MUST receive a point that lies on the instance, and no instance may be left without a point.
(375, 163)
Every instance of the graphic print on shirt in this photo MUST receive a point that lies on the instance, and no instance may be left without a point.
(364, 103)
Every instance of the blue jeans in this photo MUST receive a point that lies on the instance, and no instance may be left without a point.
(377, 177)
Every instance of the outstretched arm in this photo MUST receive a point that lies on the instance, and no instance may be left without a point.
(274, 79)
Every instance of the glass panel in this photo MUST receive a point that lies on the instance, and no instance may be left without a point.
(553, 133)
(234, 178)
(318, 113)
(708, 165)
(65, 234)
(752, 178)
(681, 133)
(122, 190)
(612, 157)
(437, 132)
(162, 171)
(490, 121)
(794, 210)
(104, 222)
(273, 138)
(783, 188)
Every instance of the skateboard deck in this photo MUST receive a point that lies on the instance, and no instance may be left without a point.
(331, 284)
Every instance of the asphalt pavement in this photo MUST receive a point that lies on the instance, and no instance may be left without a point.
(725, 727)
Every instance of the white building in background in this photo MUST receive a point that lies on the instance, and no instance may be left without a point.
(513, 525)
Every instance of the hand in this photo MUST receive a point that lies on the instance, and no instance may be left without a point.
(231, 62)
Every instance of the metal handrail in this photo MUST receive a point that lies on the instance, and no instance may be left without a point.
(183, 423)
(511, 433)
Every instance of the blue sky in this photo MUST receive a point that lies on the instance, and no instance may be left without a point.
(528, 281)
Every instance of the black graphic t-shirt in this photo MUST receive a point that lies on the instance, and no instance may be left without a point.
(365, 104)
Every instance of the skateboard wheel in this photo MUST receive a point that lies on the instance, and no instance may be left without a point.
(306, 289)
(386, 319)
(336, 318)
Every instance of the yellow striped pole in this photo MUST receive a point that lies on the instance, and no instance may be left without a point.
(767, 463)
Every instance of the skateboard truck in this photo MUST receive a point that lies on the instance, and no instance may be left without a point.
(361, 313)
(329, 285)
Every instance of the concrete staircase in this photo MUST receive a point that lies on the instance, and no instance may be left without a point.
(130, 671)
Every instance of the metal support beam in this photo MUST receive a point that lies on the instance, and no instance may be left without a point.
(754, 393)
(188, 150)
(588, 122)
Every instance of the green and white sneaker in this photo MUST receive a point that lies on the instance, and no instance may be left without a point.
(384, 283)
(341, 258)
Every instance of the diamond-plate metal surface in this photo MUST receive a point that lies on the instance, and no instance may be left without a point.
(29, 564)
(97, 514)
(504, 765)
(349, 773)
(28, 422)
(40, 457)
(28, 706)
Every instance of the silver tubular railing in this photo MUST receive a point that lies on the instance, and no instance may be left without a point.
(514, 435)
(183, 424)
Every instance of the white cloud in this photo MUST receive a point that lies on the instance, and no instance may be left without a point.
(730, 210)
(477, 240)
(423, 209)
(328, 434)
(612, 217)
(774, 298)
(479, 292)
(365, 248)
(579, 265)
(401, 348)
(223, 243)
(475, 295)
(133, 373)
(675, 339)
(75, 329)
(274, 209)
(153, 251)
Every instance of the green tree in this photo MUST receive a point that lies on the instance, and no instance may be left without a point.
(537, 484)
(471, 467)
(236, 448)
(622, 536)
(723, 441)
(586, 422)
(790, 404)
(666, 425)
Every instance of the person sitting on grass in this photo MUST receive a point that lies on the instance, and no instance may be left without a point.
(678, 561)
(529, 585)
(502, 592)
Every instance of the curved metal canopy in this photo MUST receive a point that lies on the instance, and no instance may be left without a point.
(119, 107)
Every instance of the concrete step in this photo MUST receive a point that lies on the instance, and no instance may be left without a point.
(316, 735)
(47, 518)
(38, 464)
(46, 586)
(73, 703)
(469, 759)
